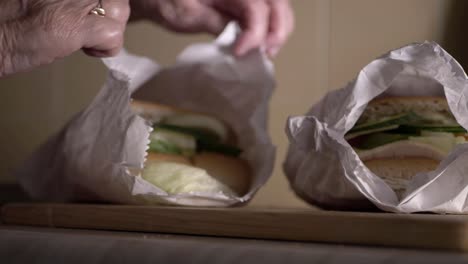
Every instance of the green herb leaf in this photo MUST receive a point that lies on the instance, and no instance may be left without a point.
(225, 149)
(198, 133)
(164, 147)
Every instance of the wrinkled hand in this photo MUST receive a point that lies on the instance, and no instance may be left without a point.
(264, 22)
(36, 32)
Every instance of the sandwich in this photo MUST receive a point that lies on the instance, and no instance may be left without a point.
(192, 153)
(399, 137)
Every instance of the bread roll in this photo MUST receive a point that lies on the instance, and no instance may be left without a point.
(158, 157)
(152, 112)
(233, 172)
(397, 172)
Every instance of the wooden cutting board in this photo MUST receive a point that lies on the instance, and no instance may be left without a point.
(449, 232)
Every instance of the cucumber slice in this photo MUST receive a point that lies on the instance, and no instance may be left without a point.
(379, 139)
(370, 131)
(409, 128)
(386, 122)
(172, 139)
(172, 142)
(200, 122)
(199, 134)
(205, 140)
(159, 146)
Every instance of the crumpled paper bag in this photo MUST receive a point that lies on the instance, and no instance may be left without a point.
(324, 169)
(96, 155)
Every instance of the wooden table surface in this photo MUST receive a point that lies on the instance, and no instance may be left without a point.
(447, 232)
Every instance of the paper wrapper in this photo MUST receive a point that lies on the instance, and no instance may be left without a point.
(94, 158)
(324, 169)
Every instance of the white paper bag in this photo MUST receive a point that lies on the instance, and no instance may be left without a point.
(324, 169)
(94, 158)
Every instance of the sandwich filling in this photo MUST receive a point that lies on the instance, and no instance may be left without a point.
(188, 134)
(398, 137)
(182, 149)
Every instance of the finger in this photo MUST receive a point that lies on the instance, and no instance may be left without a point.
(118, 10)
(212, 21)
(281, 25)
(254, 17)
(101, 53)
(11, 9)
(103, 37)
(193, 16)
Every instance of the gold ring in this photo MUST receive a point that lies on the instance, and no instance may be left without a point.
(98, 10)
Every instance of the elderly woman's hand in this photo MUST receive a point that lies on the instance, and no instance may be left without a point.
(265, 22)
(36, 32)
